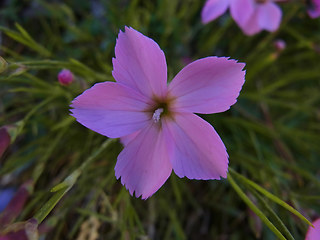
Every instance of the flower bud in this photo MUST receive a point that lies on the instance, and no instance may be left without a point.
(279, 45)
(65, 77)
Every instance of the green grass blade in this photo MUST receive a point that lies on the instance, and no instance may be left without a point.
(269, 195)
(254, 208)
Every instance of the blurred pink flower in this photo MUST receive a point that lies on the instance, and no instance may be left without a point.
(156, 121)
(5, 140)
(65, 77)
(13, 209)
(314, 233)
(314, 10)
(252, 16)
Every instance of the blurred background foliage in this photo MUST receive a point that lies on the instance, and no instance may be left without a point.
(272, 133)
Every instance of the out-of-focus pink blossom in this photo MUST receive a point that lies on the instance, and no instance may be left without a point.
(156, 121)
(4, 140)
(314, 232)
(13, 209)
(314, 9)
(252, 16)
(6, 195)
(65, 77)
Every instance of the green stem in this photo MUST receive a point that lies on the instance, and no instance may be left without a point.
(269, 195)
(62, 188)
(253, 207)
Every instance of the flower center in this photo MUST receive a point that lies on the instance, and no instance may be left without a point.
(160, 109)
(157, 114)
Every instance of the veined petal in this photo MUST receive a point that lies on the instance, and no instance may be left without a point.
(111, 109)
(128, 138)
(140, 63)
(241, 10)
(208, 85)
(269, 16)
(198, 151)
(213, 9)
(144, 164)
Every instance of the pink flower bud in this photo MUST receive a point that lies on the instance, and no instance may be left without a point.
(279, 44)
(65, 77)
(4, 140)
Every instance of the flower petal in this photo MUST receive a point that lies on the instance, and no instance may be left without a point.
(144, 163)
(269, 16)
(252, 26)
(208, 85)
(140, 63)
(128, 138)
(213, 9)
(198, 151)
(314, 233)
(241, 11)
(111, 109)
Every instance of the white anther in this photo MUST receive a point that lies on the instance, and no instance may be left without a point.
(157, 114)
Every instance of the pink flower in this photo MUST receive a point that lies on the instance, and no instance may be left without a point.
(65, 77)
(5, 140)
(314, 10)
(156, 121)
(252, 16)
(16, 204)
(314, 233)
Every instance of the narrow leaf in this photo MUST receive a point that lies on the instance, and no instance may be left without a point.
(254, 208)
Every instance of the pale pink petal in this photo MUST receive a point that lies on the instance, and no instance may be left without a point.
(213, 9)
(269, 16)
(242, 10)
(128, 138)
(252, 25)
(144, 164)
(140, 63)
(198, 151)
(208, 85)
(111, 109)
(314, 233)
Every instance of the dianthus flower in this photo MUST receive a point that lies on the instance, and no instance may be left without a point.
(156, 121)
(252, 16)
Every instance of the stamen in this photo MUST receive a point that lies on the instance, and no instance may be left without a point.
(157, 114)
